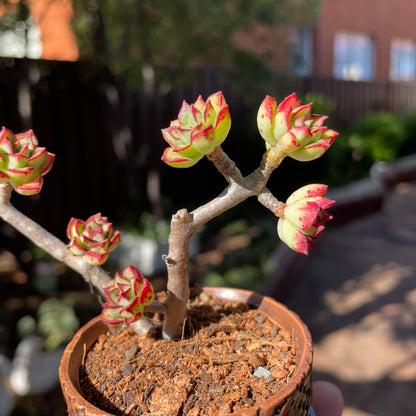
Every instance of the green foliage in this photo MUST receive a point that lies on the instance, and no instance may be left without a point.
(245, 252)
(409, 125)
(374, 137)
(57, 323)
(322, 104)
(151, 227)
(26, 326)
(377, 136)
(183, 34)
(16, 16)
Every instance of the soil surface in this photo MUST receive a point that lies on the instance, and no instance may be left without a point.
(229, 358)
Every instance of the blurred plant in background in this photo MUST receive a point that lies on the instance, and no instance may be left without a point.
(56, 323)
(242, 257)
(374, 137)
(322, 104)
(408, 120)
(151, 33)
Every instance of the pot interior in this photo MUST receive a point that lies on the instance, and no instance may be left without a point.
(299, 385)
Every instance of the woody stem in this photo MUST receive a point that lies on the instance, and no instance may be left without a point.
(184, 224)
(48, 242)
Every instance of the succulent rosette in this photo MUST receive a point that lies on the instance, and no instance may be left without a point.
(302, 217)
(93, 238)
(199, 129)
(126, 297)
(292, 128)
(22, 163)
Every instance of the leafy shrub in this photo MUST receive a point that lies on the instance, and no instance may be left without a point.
(409, 143)
(322, 104)
(377, 136)
(374, 137)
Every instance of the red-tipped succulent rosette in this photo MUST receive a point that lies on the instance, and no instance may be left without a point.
(199, 129)
(126, 297)
(302, 217)
(22, 163)
(93, 238)
(293, 129)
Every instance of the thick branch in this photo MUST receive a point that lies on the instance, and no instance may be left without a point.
(239, 188)
(48, 242)
(55, 247)
(178, 281)
(225, 165)
(266, 198)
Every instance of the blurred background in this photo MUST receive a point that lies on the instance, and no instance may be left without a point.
(97, 80)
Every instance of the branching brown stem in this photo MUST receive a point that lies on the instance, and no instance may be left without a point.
(48, 242)
(266, 198)
(93, 275)
(184, 224)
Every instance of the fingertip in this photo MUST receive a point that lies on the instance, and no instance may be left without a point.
(327, 399)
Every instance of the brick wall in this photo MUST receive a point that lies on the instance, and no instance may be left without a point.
(383, 20)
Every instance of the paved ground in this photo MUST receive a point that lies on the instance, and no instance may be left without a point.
(357, 293)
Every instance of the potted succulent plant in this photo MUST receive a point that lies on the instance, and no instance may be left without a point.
(216, 351)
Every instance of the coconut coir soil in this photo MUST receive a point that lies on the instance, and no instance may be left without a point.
(229, 358)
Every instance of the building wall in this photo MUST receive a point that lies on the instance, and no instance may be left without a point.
(58, 39)
(383, 20)
(53, 19)
(262, 40)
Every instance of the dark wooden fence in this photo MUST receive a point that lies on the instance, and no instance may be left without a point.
(107, 138)
(353, 98)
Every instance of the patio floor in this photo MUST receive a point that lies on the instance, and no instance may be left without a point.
(357, 294)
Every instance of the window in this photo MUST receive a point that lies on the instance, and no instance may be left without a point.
(403, 60)
(353, 56)
(301, 51)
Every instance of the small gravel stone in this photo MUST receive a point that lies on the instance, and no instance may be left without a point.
(262, 372)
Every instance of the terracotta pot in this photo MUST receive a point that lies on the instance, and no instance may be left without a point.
(294, 399)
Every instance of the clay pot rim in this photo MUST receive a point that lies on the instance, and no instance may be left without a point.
(68, 370)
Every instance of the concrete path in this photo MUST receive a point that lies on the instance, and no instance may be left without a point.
(357, 294)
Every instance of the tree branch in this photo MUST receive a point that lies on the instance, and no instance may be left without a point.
(48, 242)
(266, 198)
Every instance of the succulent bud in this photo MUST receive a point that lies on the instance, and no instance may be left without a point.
(93, 238)
(199, 129)
(22, 162)
(302, 216)
(293, 129)
(126, 297)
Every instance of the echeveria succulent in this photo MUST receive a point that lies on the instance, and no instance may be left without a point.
(126, 297)
(302, 216)
(293, 129)
(22, 162)
(93, 238)
(199, 129)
